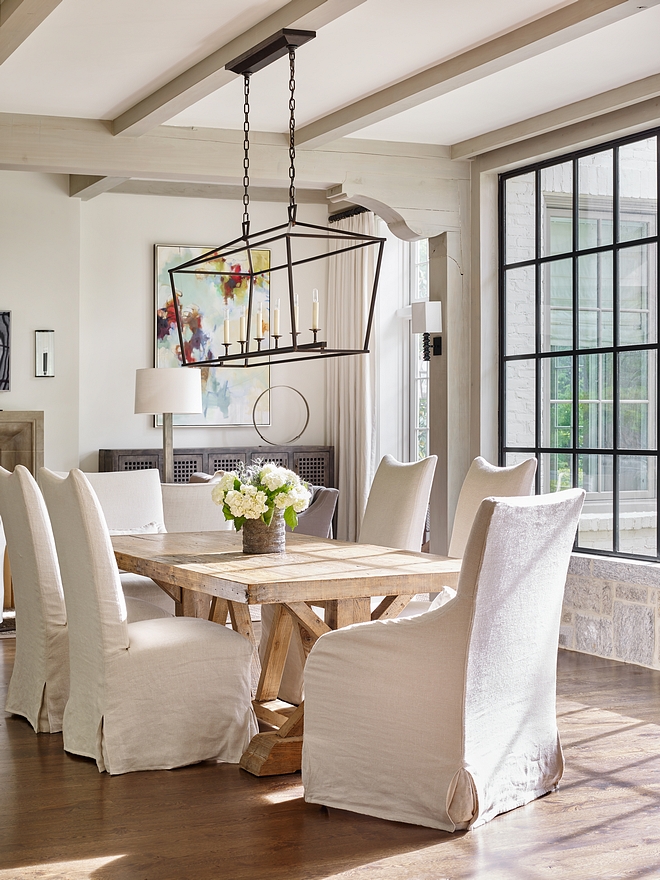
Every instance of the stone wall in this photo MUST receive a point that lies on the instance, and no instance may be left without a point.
(612, 609)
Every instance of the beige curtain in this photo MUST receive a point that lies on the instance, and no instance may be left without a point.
(351, 398)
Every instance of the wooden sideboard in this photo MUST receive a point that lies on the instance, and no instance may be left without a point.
(314, 464)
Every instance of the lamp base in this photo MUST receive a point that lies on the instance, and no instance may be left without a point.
(168, 449)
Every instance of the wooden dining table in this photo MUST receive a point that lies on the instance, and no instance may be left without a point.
(208, 575)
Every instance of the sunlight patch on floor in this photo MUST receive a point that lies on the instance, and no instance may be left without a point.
(80, 869)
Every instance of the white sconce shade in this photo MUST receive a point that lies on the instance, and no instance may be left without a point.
(44, 352)
(168, 390)
(427, 317)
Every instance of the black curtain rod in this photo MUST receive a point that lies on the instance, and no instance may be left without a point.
(349, 212)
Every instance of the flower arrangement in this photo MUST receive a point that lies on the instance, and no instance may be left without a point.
(257, 491)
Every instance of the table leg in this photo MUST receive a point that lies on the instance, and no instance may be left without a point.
(193, 604)
(344, 612)
(219, 610)
(241, 621)
(280, 751)
(391, 606)
(8, 587)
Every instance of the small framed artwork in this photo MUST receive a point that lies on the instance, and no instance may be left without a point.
(207, 302)
(5, 350)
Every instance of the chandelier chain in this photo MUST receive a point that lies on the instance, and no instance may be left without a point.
(292, 134)
(246, 154)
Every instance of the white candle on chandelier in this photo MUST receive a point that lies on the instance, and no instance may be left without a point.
(276, 319)
(259, 323)
(296, 313)
(242, 336)
(315, 309)
(227, 337)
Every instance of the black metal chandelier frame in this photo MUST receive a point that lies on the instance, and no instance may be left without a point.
(341, 241)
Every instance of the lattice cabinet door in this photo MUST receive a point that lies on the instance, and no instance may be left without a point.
(185, 465)
(313, 467)
(281, 459)
(224, 461)
(137, 462)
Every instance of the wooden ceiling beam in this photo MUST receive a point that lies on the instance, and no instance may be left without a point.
(18, 19)
(88, 186)
(542, 34)
(63, 145)
(208, 75)
(579, 111)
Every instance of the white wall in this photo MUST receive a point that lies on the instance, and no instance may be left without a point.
(39, 284)
(85, 270)
(118, 233)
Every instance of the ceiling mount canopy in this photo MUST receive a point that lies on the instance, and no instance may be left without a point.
(269, 50)
(254, 273)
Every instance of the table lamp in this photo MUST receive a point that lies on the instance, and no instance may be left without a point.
(168, 390)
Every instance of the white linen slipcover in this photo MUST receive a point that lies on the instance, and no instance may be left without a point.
(485, 480)
(132, 502)
(448, 719)
(129, 499)
(398, 500)
(154, 694)
(39, 685)
(188, 507)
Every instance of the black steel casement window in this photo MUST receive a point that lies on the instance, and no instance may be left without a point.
(578, 335)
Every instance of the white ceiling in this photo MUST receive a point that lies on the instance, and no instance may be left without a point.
(95, 59)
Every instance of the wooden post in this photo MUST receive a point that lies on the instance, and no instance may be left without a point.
(449, 386)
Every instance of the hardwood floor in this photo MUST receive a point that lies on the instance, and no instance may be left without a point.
(60, 818)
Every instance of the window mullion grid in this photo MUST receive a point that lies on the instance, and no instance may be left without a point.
(576, 333)
(615, 354)
(657, 341)
(615, 350)
(538, 329)
(501, 389)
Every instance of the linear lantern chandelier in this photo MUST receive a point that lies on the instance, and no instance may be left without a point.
(262, 268)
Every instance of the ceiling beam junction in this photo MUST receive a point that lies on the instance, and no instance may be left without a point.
(18, 19)
(88, 186)
(208, 75)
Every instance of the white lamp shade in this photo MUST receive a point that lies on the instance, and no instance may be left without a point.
(168, 390)
(427, 317)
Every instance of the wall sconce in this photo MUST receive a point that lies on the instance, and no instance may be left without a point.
(44, 353)
(427, 319)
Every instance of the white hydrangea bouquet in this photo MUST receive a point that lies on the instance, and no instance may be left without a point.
(257, 491)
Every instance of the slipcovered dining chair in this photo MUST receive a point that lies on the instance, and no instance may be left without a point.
(39, 685)
(448, 719)
(188, 507)
(484, 480)
(135, 502)
(149, 695)
(395, 514)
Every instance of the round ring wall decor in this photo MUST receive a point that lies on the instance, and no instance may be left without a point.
(293, 439)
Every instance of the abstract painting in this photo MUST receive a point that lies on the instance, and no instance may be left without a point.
(206, 301)
(5, 324)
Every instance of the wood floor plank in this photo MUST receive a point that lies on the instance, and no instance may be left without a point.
(60, 819)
